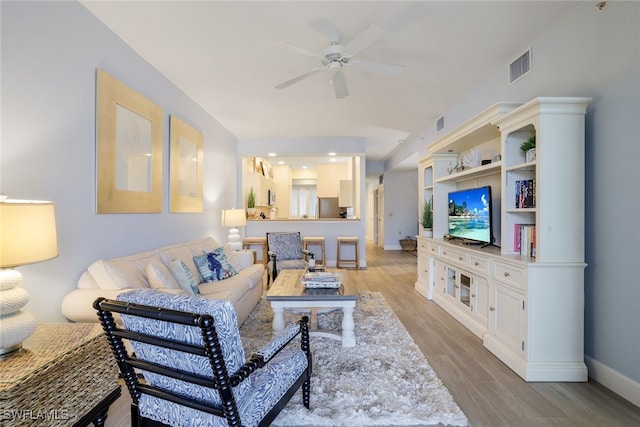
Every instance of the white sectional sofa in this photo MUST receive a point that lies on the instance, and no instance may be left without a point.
(160, 269)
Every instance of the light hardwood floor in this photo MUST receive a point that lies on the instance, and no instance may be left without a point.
(489, 393)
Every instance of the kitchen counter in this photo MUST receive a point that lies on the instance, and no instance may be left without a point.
(304, 220)
(329, 228)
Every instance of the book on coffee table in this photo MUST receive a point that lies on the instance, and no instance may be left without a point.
(322, 279)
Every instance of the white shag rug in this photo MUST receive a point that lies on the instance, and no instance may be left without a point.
(384, 380)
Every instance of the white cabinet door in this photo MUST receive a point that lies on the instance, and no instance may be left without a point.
(507, 317)
(480, 299)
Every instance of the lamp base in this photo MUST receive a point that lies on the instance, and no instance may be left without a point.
(234, 239)
(7, 350)
(15, 325)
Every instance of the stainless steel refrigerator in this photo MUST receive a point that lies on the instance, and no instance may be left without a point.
(328, 207)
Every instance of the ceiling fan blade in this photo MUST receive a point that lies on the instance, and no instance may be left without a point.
(339, 83)
(372, 33)
(379, 68)
(299, 77)
(301, 51)
(325, 27)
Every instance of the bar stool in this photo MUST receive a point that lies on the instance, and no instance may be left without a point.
(261, 241)
(348, 240)
(315, 241)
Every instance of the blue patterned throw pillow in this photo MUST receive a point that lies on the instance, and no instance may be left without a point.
(183, 276)
(214, 266)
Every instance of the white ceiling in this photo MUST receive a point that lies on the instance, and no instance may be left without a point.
(227, 57)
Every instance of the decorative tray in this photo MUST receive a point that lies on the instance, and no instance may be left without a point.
(322, 279)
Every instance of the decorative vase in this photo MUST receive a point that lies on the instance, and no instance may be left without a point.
(530, 155)
(251, 212)
(427, 232)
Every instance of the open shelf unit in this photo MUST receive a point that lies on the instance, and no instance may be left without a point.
(526, 306)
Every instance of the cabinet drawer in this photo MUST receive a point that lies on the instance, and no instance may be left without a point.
(454, 255)
(479, 264)
(434, 249)
(509, 274)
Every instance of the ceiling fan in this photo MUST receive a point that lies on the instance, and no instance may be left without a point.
(337, 56)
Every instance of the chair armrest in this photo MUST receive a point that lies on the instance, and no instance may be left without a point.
(261, 357)
(275, 345)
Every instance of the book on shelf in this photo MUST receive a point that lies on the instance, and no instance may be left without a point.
(524, 239)
(526, 193)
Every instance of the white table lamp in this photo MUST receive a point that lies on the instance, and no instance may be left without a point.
(27, 235)
(234, 218)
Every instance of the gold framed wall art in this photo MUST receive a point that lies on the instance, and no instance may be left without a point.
(129, 149)
(185, 167)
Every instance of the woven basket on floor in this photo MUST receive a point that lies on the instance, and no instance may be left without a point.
(409, 244)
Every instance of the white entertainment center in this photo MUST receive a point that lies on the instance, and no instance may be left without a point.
(529, 311)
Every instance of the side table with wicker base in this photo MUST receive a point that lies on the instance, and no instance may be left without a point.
(64, 375)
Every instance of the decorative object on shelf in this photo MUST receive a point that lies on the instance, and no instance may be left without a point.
(128, 149)
(28, 236)
(185, 169)
(234, 218)
(529, 149)
(472, 158)
(251, 203)
(426, 220)
(459, 167)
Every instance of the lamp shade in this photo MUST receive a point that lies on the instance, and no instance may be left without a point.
(234, 218)
(27, 232)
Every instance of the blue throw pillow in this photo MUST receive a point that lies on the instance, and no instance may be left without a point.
(214, 266)
(183, 276)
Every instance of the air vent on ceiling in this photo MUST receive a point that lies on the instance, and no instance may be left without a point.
(520, 67)
(440, 124)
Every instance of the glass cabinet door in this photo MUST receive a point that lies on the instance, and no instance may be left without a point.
(451, 282)
(465, 289)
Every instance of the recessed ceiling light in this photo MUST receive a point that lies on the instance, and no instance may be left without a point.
(281, 162)
(332, 153)
(333, 160)
(271, 154)
(304, 167)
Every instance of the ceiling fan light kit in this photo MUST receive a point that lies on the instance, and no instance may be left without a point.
(336, 56)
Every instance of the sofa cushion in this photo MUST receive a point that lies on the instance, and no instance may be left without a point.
(180, 252)
(159, 275)
(183, 275)
(121, 273)
(202, 246)
(214, 266)
(237, 285)
(232, 257)
(86, 281)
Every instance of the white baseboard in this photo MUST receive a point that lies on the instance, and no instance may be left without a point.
(614, 380)
(397, 247)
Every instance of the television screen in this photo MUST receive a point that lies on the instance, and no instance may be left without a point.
(470, 214)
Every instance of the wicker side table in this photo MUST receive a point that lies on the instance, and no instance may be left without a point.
(64, 375)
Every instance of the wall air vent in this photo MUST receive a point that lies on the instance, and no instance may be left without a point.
(440, 124)
(520, 67)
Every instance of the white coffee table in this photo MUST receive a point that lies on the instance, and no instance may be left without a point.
(288, 292)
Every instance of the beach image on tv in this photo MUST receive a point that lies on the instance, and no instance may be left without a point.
(470, 214)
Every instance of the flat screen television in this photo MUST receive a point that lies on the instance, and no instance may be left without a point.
(470, 215)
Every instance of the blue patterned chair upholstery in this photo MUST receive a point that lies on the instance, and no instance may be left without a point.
(189, 352)
(285, 253)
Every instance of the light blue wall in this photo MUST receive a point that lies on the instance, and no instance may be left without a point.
(598, 55)
(50, 52)
(401, 208)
